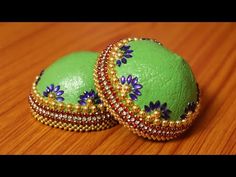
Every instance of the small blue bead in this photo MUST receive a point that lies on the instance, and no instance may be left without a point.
(122, 80)
(147, 109)
(163, 106)
(118, 62)
(48, 89)
(82, 102)
(51, 87)
(60, 99)
(59, 92)
(137, 86)
(124, 60)
(157, 104)
(91, 93)
(45, 94)
(129, 79)
(57, 88)
(133, 96)
(125, 47)
(152, 106)
(128, 51)
(86, 94)
(82, 97)
(134, 81)
(137, 92)
(128, 55)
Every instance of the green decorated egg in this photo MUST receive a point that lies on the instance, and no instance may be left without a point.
(64, 95)
(148, 88)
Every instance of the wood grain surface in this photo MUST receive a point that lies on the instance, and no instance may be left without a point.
(26, 48)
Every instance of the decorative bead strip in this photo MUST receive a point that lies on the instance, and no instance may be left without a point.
(82, 118)
(71, 121)
(71, 126)
(106, 82)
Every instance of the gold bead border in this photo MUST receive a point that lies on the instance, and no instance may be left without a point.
(71, 126)
(105, 76)
(72, 117)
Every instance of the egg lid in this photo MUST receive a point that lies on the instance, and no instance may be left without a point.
(63, 95)
(147, 88)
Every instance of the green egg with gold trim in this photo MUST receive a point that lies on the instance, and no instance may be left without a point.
(64, 95)
(148, 88)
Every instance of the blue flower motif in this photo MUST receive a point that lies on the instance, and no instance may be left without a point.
(55, 92)
(159, 107)
(190, 107)
(135, 86)
(89, 95)
(126, 54)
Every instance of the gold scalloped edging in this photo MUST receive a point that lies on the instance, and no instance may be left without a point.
(68, 116)
(107, 85)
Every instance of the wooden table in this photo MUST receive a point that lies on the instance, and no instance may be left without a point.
(26, 48)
